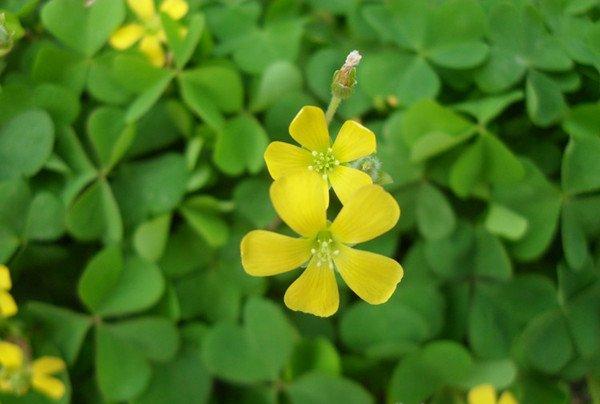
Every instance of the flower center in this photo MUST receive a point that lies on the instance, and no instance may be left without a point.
(154, 25)
(324, 250)
(323, 162)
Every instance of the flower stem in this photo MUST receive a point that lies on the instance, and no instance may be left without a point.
(333, 106)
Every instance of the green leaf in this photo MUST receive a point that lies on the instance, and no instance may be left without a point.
(457, 28)
(491, 258)
(183, 380)
(148, 98)
(574, 239)
(486, 109)
(25, 144)
(319, 388)
(538, 201)
(277, 80)
(251, 198)
(46, 218)
(122, 370)
(85, 28)
(65, 328)
(253, 352)
(150, 238)
(278, 40)
(95, 215)
(210, 90)
(583, 120)
(468, 170)
(110, 135)
(499, 373)
(435, 217)
(420, 374)
(430, 129)
(545, 102)
(546, 344)
(201, 215)
(210, 295)
(150, 187)
(111, 285)
(370, 329)
(581, 165)
(155, 337)
(505, 223)
(520, 42)
(183, 46)
(240, 146)
(56, 65)
(101, 275)
(315, 354)
(406, 77)
(184, 252)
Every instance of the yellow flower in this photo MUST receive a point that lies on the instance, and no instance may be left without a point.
(8, 307)
(318, 156)
(325, 246)
(16, 377)
(486, 394)
(42, 370)
(149, 32)
(12, 377)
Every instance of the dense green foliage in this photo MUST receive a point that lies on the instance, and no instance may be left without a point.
(125, 189)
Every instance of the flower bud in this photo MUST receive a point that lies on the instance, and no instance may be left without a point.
(372, 166)
(344, 80)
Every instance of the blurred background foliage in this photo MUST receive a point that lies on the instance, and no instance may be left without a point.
(125, 189)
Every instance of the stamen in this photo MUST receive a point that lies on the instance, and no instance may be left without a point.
(311, 168)
(323, 250)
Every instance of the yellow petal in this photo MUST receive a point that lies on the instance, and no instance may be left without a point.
(8, 306)
(151, 47)
(265, 253)
(49, 386)
(126, 36)
(11, 355)
(507, 398)
(369, 213)
(371, 276)
(300, 202)
(353, 142)
(309, 128)
(48, 365)
(284, 158)
(346, 181)
(5, 282)
(144, 9)
(482, 394)
(176, 9)
(314, 292)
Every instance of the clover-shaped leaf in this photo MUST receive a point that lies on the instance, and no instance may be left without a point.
(253, 352)
(85, 28)
(449, 36)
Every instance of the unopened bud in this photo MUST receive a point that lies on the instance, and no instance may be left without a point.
(344, 80)
(372, 166)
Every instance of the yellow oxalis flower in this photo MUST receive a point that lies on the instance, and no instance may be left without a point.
(148, 31)
(325, 246)
(486, 394)
(42, 380)
(8, 307)
(318, 156)
(16, 376)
